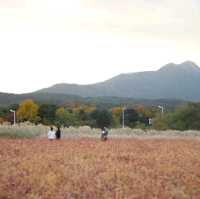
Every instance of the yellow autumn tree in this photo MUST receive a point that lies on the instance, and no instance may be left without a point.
(85, 108)
(27, 111)
(89, 109)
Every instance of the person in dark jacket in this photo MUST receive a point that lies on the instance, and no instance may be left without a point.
(58, 133)
(104, 134)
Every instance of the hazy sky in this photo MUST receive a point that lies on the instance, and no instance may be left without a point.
(43, 42)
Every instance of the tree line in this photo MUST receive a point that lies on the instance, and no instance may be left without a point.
(74, 115)
(184, 117)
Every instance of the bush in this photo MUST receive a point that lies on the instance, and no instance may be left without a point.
(186, 117)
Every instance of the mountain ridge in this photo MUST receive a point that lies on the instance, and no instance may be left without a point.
(176, 81)
(171, 84)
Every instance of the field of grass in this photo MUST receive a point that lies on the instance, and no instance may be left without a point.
(90, 169)
(32, 131)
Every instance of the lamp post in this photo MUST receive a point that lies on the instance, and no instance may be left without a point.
(162, 109)
(123, 110)
(14, 115)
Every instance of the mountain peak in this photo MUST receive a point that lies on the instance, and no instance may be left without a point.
(172, 81)
(191, 65)
(187, 66)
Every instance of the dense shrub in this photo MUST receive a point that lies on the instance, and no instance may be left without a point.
(186, 117)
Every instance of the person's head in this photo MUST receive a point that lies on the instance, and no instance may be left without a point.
(51, 128)
(58, 128)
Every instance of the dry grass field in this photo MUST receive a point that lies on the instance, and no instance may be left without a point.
(23, 130)
(90, 169)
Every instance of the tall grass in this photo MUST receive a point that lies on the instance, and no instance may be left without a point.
(33, 131)
(21, 131)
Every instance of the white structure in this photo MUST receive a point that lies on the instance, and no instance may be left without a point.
(14, 115)
(123, 110)
(161, 108)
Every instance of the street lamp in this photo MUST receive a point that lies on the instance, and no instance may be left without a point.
(161, 108)
(14, 114)
(123, 110)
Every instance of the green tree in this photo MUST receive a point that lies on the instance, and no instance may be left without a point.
(47, 113)
(186, 117)
(162, 123)
(103, 118)
(130, 117)
(116, 116)
(65, 118)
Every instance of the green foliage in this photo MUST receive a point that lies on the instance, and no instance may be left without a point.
(4, 111)
(187, 117)
(65, 118)
(184, 118)
(131, 117)
(140, 125)
(116, 117)
(103, 118)
(162, 123)
(47, 113)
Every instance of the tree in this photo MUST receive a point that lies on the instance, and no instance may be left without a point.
(103, 118)
(61, 116)
(47, 113)
(130, 117)
(142, 116)
(28, 111)
(186, 117)
(65, 118)
(116, 115)
(4, 112)
(162, 123)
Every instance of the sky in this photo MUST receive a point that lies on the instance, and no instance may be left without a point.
(45, 42)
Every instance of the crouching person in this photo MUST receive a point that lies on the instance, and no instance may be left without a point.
(104, 134)
(51, 134)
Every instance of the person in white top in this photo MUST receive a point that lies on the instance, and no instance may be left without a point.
(51, 134)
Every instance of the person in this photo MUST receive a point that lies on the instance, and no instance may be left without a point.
(104, 134)
(58, 133)
(51, 134)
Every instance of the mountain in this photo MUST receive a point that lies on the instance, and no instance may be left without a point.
(172, 81)
(7, 99)
(170, 86)
(51, 98)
